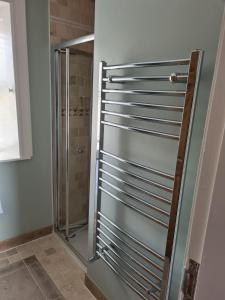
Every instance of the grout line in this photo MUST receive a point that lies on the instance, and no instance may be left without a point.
(71, 23)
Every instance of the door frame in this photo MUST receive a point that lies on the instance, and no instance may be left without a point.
(203, 226)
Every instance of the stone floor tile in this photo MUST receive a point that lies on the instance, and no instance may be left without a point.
(3, 255)
(50, 251)
(14, 258)
(42, 279)
(4, 262)
(17, 283)
(11, 252)
(64, 272)
(29, 249)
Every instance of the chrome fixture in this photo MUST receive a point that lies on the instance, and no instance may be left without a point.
(140, 266)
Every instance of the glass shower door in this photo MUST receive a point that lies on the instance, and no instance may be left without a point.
(74, 89)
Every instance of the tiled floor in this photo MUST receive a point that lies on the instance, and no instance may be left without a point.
(46, 268)
(27, 279)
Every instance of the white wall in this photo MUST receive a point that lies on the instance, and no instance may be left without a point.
(206, 243)
(211, 276)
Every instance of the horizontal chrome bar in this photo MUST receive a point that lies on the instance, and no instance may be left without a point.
(153, 219)
(77, 41)
(151, 182)
(146, 92)
(105, 253)
(159, 63)
(145, 105)
(160, 198)
(141, 130)
(153, 207)
(127, 264)
(143, 118)
(134, 260)
(122, 277)
(137, 165)
(174, 77)
(159, 256)
(123, 270)
(147, 259)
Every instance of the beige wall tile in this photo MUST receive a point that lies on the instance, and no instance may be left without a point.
(68, 17)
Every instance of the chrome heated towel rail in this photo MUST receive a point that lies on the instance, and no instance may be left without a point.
(142, 268)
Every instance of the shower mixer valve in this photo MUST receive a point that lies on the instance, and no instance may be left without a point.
(79, 149)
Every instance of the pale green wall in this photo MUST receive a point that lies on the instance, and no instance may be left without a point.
(25, 186)
(131, 30)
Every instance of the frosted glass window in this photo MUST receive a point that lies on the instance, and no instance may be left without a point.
(9, 135)
(15, 123)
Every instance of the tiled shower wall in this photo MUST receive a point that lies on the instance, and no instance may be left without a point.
(79, 153)
(70, 19)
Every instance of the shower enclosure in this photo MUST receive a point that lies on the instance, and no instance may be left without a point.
(71, 139)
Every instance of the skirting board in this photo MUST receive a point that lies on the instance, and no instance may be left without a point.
(93, 288)
(24, 238)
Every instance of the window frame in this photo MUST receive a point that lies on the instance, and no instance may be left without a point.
(21, 74)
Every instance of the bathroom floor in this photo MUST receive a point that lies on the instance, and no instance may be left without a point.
(80, 242)
(42, 269)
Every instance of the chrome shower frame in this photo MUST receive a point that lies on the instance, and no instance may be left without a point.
(56, 125)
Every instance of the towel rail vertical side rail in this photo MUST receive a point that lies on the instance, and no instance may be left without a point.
(193, 76)
(99, 147)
